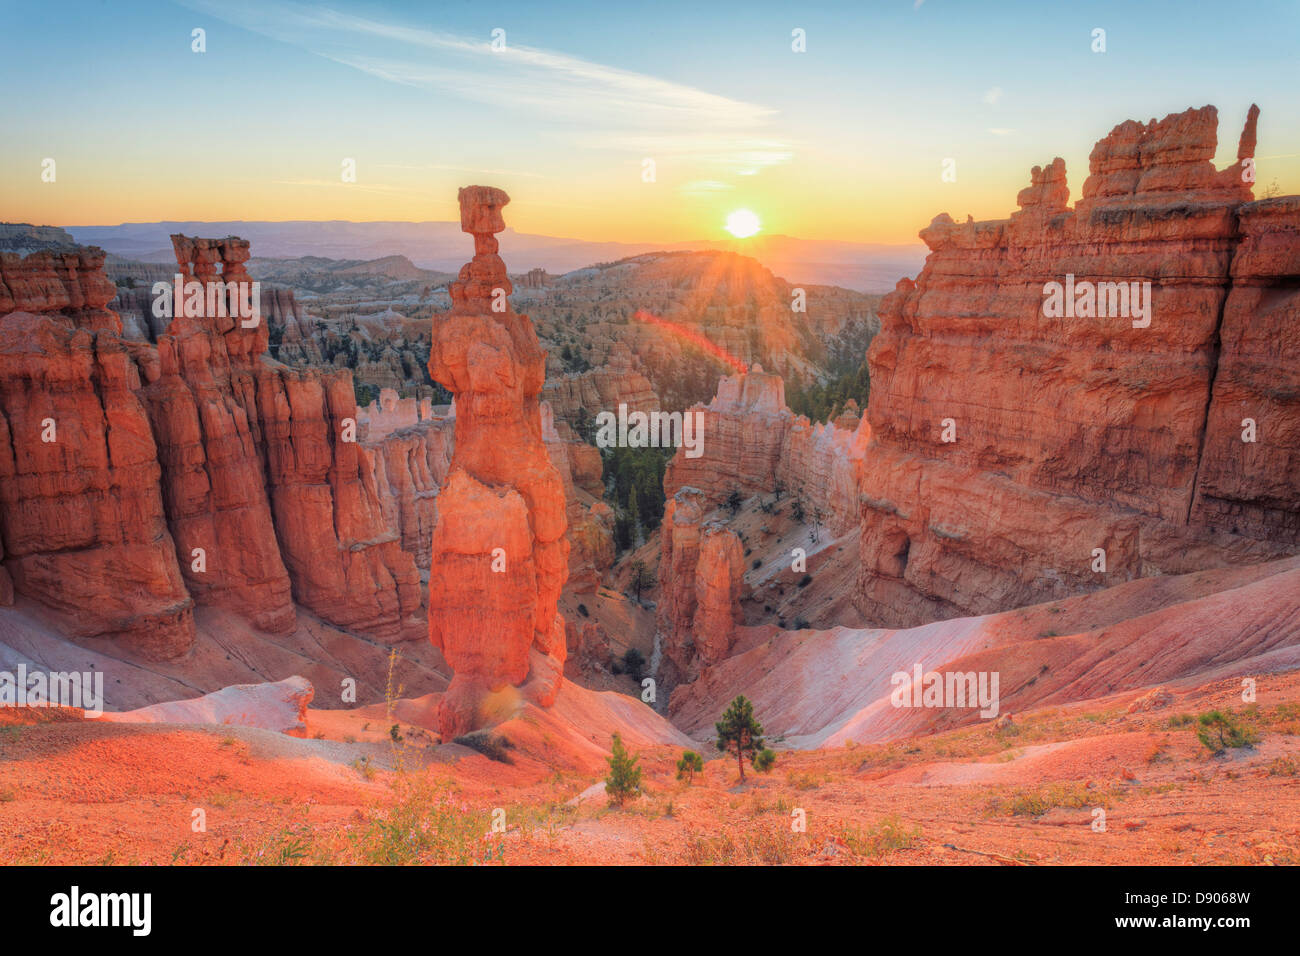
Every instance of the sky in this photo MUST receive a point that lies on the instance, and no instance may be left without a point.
(846, 140)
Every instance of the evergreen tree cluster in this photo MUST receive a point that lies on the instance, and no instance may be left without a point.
(848, 375)
(822, 401)
(634, 488)
(574, 360)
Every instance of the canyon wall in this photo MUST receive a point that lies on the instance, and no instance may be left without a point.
(140, 479)
(389, 412)
(410, 466)
(81, 511)
(752, 443)
(499, 537)
(701, 574)
(602, 389)
(411, 463)
(285, 319)
(590, 519)
(1012, 452)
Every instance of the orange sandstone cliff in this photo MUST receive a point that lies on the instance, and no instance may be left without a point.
(1078, 439)
(140, 479)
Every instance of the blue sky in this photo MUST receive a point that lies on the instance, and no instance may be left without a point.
(842, 141)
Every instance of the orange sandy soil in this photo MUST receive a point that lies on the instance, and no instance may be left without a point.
(77, 792)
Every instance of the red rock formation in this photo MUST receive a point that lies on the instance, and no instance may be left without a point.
(410, 466)
(743, 430)
(200, 443)
(591, 521)
(752, 443)
(1074, 434)
(344, 562)
(273, 491)
(200, 400)
(701, 573)
(1251, 488)
(390, 412)
(297, 345)
(71, 283)
(503, 503)
(83, 521)
(604, 388)
(588, 646)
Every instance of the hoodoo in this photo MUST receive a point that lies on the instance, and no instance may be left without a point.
(499, 553)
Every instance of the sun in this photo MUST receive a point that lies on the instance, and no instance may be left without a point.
(742, 224)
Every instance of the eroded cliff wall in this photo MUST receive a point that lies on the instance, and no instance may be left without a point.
(1011, 446)
(139, 479)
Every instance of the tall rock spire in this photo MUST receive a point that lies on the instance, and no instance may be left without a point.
(499, 552)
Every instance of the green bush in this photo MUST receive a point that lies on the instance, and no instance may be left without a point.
(690, 764)
(1219, 732)
(624, 779)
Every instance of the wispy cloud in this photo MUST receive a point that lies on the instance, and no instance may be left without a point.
(1000, 131)
(992, 96)
(616, 107)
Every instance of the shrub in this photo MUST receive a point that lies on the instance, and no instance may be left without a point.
(1219, 732)
(764, 759)
(634, 662)
(885, 837)
(805, 580)
(690, 764)
(624, 779)
(582, 609)
(489, 744)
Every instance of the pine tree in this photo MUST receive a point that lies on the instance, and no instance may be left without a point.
(634, 507)
(740, 733)
(690, 764)
(624, 780)
(641, 578)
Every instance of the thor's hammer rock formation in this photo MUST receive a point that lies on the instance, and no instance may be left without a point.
(499, 553)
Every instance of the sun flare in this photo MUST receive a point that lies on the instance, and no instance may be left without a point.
(742, 224)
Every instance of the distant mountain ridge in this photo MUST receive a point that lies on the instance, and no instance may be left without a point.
(24, 238)
(439, 246)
